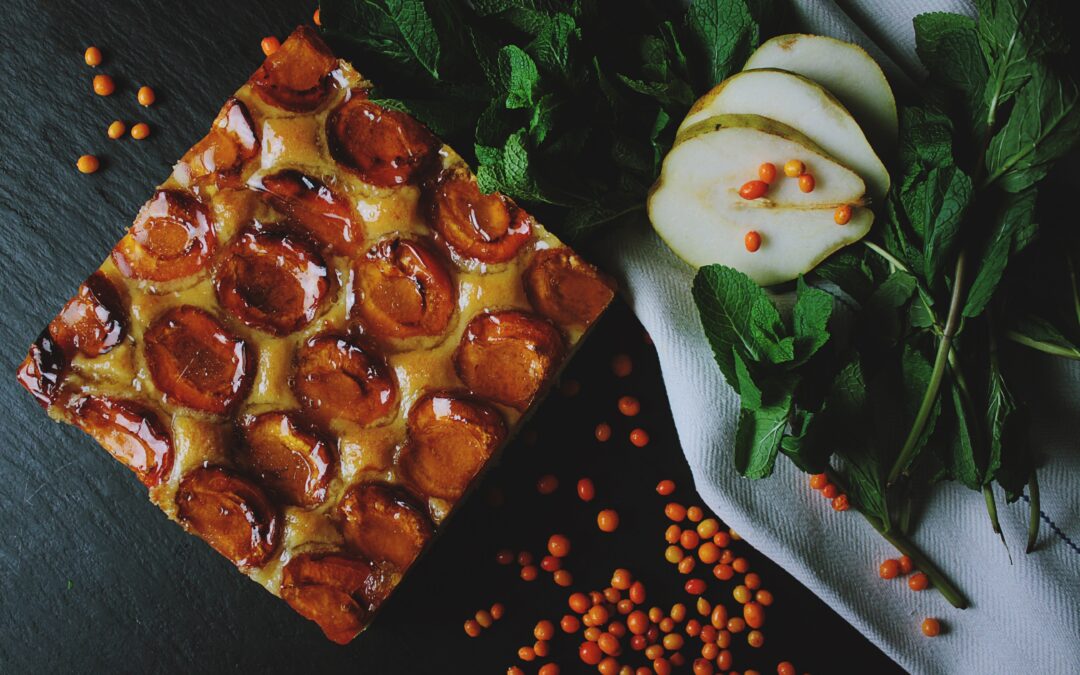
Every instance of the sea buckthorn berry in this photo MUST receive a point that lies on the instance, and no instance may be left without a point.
(622, 365)
(665, 487)
(629, 406)
(794, 168)
(677, 660)
(550, 563)
(723, 572)
(709, 650)
(678, 612)
(709, 553)
(734, 535)
(598, 614)
(719, 617)
(484, 618)
(785, 668)
(579, 602)
(752, 581)
(116, 130)
(472, 628)
(741, 565)
(675, 511)
(673, 642)
(842, 215)
(693, 627)
(270, 45)
(708, 632)
(625, 606)
(741, 594)
(504, 557)
(586, 491)
(724, 660)
(563, 578)
(637, 622)
(754, 615)
(497, 611)
(906, 565)
(140, 131)
(931, 627)
(608, 520)
(541, 648)
(603, 432)
(764, 597)
(841, 503)
(104, 85)
(544, 630)
(819, 481)
(592, 633)
(316, 18)
(689, 539)
(529, 573)
(570, 623)
(667, 624)
(559, 545)
(612, 595)
(514, 670)
(755, 639)
(639, 438)
(527, 654)
(830, 491)
(694, 586)
(703, 666)
(609, 666)
(146, 96)
(609, 644)
(918, 581)
(621, 579)
(672, 534)
(707, 528)
(596, 597)
(752, 241)
(93, 57)
(723, 638)
(656, 614)
(736, 624)
(694, 514)
(88, 164)
(637, 593)
(754, 189)
(524, 558)
(767, 173)
(547, 484)
(661, 666)
(687, 564)
(722, 539)
(806, 182)
(889, 569)
(727, 557)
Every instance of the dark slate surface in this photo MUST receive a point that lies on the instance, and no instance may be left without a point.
(93, 578)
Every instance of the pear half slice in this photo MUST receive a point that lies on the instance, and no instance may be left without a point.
(695, 205)
(846, 70)
(801, 104)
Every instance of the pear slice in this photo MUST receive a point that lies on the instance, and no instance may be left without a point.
(801, 104)
(695, 205)
(846, 70)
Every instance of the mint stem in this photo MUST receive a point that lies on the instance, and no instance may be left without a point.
(907, 453)
(1041, 346)
(1033, 513)
(1075, 286)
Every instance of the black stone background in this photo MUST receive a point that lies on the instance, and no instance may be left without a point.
(93, 578)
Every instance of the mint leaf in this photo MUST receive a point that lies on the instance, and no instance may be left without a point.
(1000, 410)
(518, 75)
(1035, 331)
(551, 47)
(749, 393)
(961, 458)
(1013, 229)
(948, 45)
(723, 34)
(810, 319)
(725, 299)
(418, 31)
(758, 436)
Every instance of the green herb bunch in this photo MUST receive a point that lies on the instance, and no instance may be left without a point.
(974, 252)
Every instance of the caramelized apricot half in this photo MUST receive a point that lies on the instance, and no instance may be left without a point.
(401, 289)
(450, 439)
(289, 460)
(197, 362)
(565, 288)
(131, 432)
(43, 369)
(172, 238)
(508, 356)
(221, 154)
(272, 281)
(384, 147)
(334, 591)
(337, 378)
(487, 228)
(317, 208)
(230, 513)
(384, 524)
(297, 76)
(92, 322)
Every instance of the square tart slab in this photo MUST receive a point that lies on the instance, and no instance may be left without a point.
(315, 335)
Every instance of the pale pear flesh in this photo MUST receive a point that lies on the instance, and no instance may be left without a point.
(696, 208)
(844, 69)
(803, 105)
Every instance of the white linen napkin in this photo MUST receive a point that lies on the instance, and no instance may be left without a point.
(1025, 614)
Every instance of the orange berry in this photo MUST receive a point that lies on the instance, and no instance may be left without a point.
(586, 491)
(317, 18)
(889, 569)
(563, 578)
(906, 565)
(678, 612)
(608, 520)
(579, 602)
(527, 654)
(675, 511)
(559, 545)
(764, 597)
(842, 215)
(544, 630)
(603, 432)
(547, 668)
(672, 534)
(637, 593)
(673, 642)
(524, 558)
(629, 406)
(918, 581)
(753, 614)
(472, 628)
(694, 586)
(754, 189)
(785, 668)
(140, 131)
(723, 572)
(93, 57)
(116, 130)
(819, 481)
(722, 539)
(719, 617)
(547, 484)
(708, 528)
(806, 182)
(661, 666)
(270, 45)
(752, 241)
(841, 503)
(686, 565)
(736, 624)
(734, 534)
(674, 554)
(497, 611)
(741, 565)
(694, 514)
(621, 579)
(752, 581)
(794, 168)
(741, 594)
(755, 639)
(723, 638)
(724, 660)
(514, 670)
(146, 96)
(104, 85)
(703, 607)
(484, 618)
(709, 553)
(609, 666)
(665, 487)
(931, 627)
(622, 365)
(570, 624)
(830, 491)
(689, 539)
(550, 563)
(609, 644)
(529, 573)
(639, 437)
(702, 666)
(767, 173)
(88, 164)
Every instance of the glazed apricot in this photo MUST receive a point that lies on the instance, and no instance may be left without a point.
(272, 281)
(450, 439)
(332, 590)
(43, 369)
(508, 356)
(292, 462)
(385, 148)
(131, 432)
(196, 362)
(566, 289)
(317, 208)
(297, 75)
(338, 379)
(489, 228)
(401, 289)
(230, 513)
(172, 237)
(232, 141)
(384, 523)
(94, 321)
